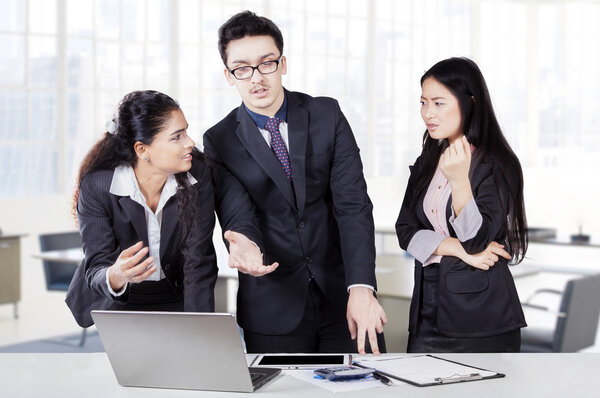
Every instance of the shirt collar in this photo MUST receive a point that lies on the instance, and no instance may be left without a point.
(124, 183)
(261, 120)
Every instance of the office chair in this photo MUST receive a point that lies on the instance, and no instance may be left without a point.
(576, 320)
(59, 274)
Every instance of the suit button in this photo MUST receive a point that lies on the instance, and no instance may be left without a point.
(308, 260)
(301, 224)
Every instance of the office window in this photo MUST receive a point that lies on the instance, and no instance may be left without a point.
(502, 46)
(64, 65)
(28, 98)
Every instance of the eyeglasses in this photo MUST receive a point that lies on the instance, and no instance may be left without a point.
(246, 72)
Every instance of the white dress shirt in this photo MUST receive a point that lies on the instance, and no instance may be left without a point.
(124, 183)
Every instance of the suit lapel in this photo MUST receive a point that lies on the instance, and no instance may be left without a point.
(255, 144)
(167, 226)
(298, 135)
(136, 215)
(419, 206)
(480, 172)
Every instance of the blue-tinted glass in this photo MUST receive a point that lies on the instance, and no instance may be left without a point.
(159, 17)
(43, 116)
(42, 169)
(80, 63)
(12, 17)
(80, 21)
(13, 116)
(42, 16)
(107, 65)
(134, 12)
(107, 19)
(43, 62)
(13, 166)
(12, 59)
(80, 116)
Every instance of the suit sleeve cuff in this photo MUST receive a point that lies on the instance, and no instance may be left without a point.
(110, 289)
(468, 221)
(360, 285)
(424, 243)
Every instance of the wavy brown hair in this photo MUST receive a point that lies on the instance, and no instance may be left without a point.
(140, 116)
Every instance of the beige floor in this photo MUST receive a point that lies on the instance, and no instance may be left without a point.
(43, 317)
(42, 314)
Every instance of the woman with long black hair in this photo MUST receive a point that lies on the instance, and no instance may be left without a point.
(144, 202)
(463, 219)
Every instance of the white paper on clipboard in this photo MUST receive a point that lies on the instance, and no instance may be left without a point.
(426, 370)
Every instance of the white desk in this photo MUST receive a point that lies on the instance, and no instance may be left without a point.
(90, 375)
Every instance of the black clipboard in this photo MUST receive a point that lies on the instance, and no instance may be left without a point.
(450, 375)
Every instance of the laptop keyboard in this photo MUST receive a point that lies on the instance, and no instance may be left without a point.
(260, 376)
(255, 376)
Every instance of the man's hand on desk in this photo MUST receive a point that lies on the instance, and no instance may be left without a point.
(246, 256)
(365, 316)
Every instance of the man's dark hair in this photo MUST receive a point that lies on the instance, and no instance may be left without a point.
(247, 23)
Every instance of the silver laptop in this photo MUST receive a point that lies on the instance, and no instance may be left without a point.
(184, 350)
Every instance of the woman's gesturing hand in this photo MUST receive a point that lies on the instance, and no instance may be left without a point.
(129, 267)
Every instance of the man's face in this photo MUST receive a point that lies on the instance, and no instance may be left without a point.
(261, 93)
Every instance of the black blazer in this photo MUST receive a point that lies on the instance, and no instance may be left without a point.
(110, 224)
(471, 302)
(320, 227)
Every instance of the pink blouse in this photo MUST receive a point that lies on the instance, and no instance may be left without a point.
(434, 205)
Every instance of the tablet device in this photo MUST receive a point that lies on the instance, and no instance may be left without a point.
(301, 361)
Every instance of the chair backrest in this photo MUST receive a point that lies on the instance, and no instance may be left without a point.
(581, 304)
(58, 274)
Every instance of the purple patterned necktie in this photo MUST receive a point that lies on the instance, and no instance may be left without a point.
(278, 146)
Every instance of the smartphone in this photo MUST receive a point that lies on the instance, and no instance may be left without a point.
(343, 373)
(301, 361)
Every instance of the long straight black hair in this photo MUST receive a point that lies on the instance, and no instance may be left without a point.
(479, 124)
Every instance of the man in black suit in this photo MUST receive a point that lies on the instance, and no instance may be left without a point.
(290, 182)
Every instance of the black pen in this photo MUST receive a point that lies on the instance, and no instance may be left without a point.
(382, 378)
